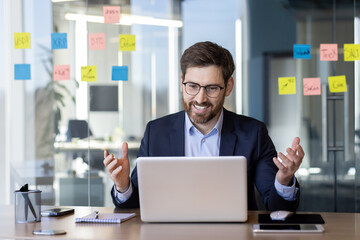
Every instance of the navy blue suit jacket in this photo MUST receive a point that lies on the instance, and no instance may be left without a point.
(240, 136)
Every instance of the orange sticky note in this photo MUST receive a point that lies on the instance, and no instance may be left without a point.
(111, 14)
(97, 41)
(287, 85)
(311, 86)
(22, 40)
(61, 72)
(126, 42)
(88, 74)
(337, 84)
(351, 52)
(328, 52)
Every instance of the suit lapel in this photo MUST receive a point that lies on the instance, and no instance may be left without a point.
(177, 136)
(228, 138)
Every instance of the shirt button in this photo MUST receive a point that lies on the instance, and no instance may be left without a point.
(203, 140)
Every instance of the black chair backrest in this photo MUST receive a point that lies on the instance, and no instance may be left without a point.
(77, 129)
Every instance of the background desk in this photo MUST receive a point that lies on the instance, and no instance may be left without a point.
(83, 147)
(337, 226)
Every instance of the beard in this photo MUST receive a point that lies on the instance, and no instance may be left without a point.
(203, 118)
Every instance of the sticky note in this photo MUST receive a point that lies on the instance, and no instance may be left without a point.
(58, 40)
(61, 72)
(22, 71)
(21, 40)
(311, 86)
(287, 85)
(351, 52)
(97, 41)
(337, 84)
(328, 52)
(88, 74)
(119, 73)
(111, 14)
(302, 51)
(126, 42)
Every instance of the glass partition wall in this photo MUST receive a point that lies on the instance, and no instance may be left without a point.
(113, 111)
(54, 132)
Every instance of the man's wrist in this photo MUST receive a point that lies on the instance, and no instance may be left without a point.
(286, 181)
(123, 189)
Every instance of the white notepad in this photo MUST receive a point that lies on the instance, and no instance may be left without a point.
(105, 218)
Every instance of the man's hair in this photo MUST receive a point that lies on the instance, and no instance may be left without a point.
(203, 54)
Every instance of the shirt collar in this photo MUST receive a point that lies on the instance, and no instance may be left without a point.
(190, 128)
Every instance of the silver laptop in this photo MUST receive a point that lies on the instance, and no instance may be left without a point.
(192, 189)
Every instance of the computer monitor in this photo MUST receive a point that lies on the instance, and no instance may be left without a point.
(104, 98)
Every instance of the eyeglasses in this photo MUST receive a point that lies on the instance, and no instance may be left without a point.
(193, 89)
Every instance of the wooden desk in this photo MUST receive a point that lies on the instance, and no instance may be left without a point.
(338, 226)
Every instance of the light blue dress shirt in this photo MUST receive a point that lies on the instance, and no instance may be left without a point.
(197, 144)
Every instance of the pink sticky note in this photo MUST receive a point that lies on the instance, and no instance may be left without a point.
(97, 41)
(311, 86)
(111, 14)
(328, 52)
(61, 72)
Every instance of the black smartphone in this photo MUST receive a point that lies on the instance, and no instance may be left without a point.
(53, 212)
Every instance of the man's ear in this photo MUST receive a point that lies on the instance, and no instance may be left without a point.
(229, 86)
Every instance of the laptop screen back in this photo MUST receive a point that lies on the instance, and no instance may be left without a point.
(192, 189)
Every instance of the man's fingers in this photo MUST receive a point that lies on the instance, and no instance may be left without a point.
(278, 163)
(301, 152)
(295, 143)
(116, 171)
(106, 153)
(108, 159)
(112, 166)
(125, 150)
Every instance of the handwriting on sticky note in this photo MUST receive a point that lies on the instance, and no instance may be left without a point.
(22, 71)
(351, 52)
(311, 86)
(61, 72)
(97, 41)
(119, 73)
(302, 51)
(22, 40)
(287, 85)
(88, 74)
(337, 84)
(126, 42)
(58, 40)
(111, 14)
(328, 52)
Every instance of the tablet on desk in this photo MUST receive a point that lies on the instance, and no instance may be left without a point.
(288, 228)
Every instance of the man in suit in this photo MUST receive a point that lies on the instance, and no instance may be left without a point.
(206, 128)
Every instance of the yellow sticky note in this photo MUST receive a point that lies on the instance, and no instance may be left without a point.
(351, 52)
(337, 84)
(287, 85)
(88, 74)
(126, 42)
(21, 40)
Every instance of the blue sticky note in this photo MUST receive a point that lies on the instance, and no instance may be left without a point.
(119, 73)
(22, 71)
(58, 40)
(302, 51)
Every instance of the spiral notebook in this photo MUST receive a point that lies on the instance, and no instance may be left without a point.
(105, 218)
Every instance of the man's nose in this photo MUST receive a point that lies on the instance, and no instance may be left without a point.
(201, 96)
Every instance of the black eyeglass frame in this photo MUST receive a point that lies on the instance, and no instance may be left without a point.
(205, 87)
